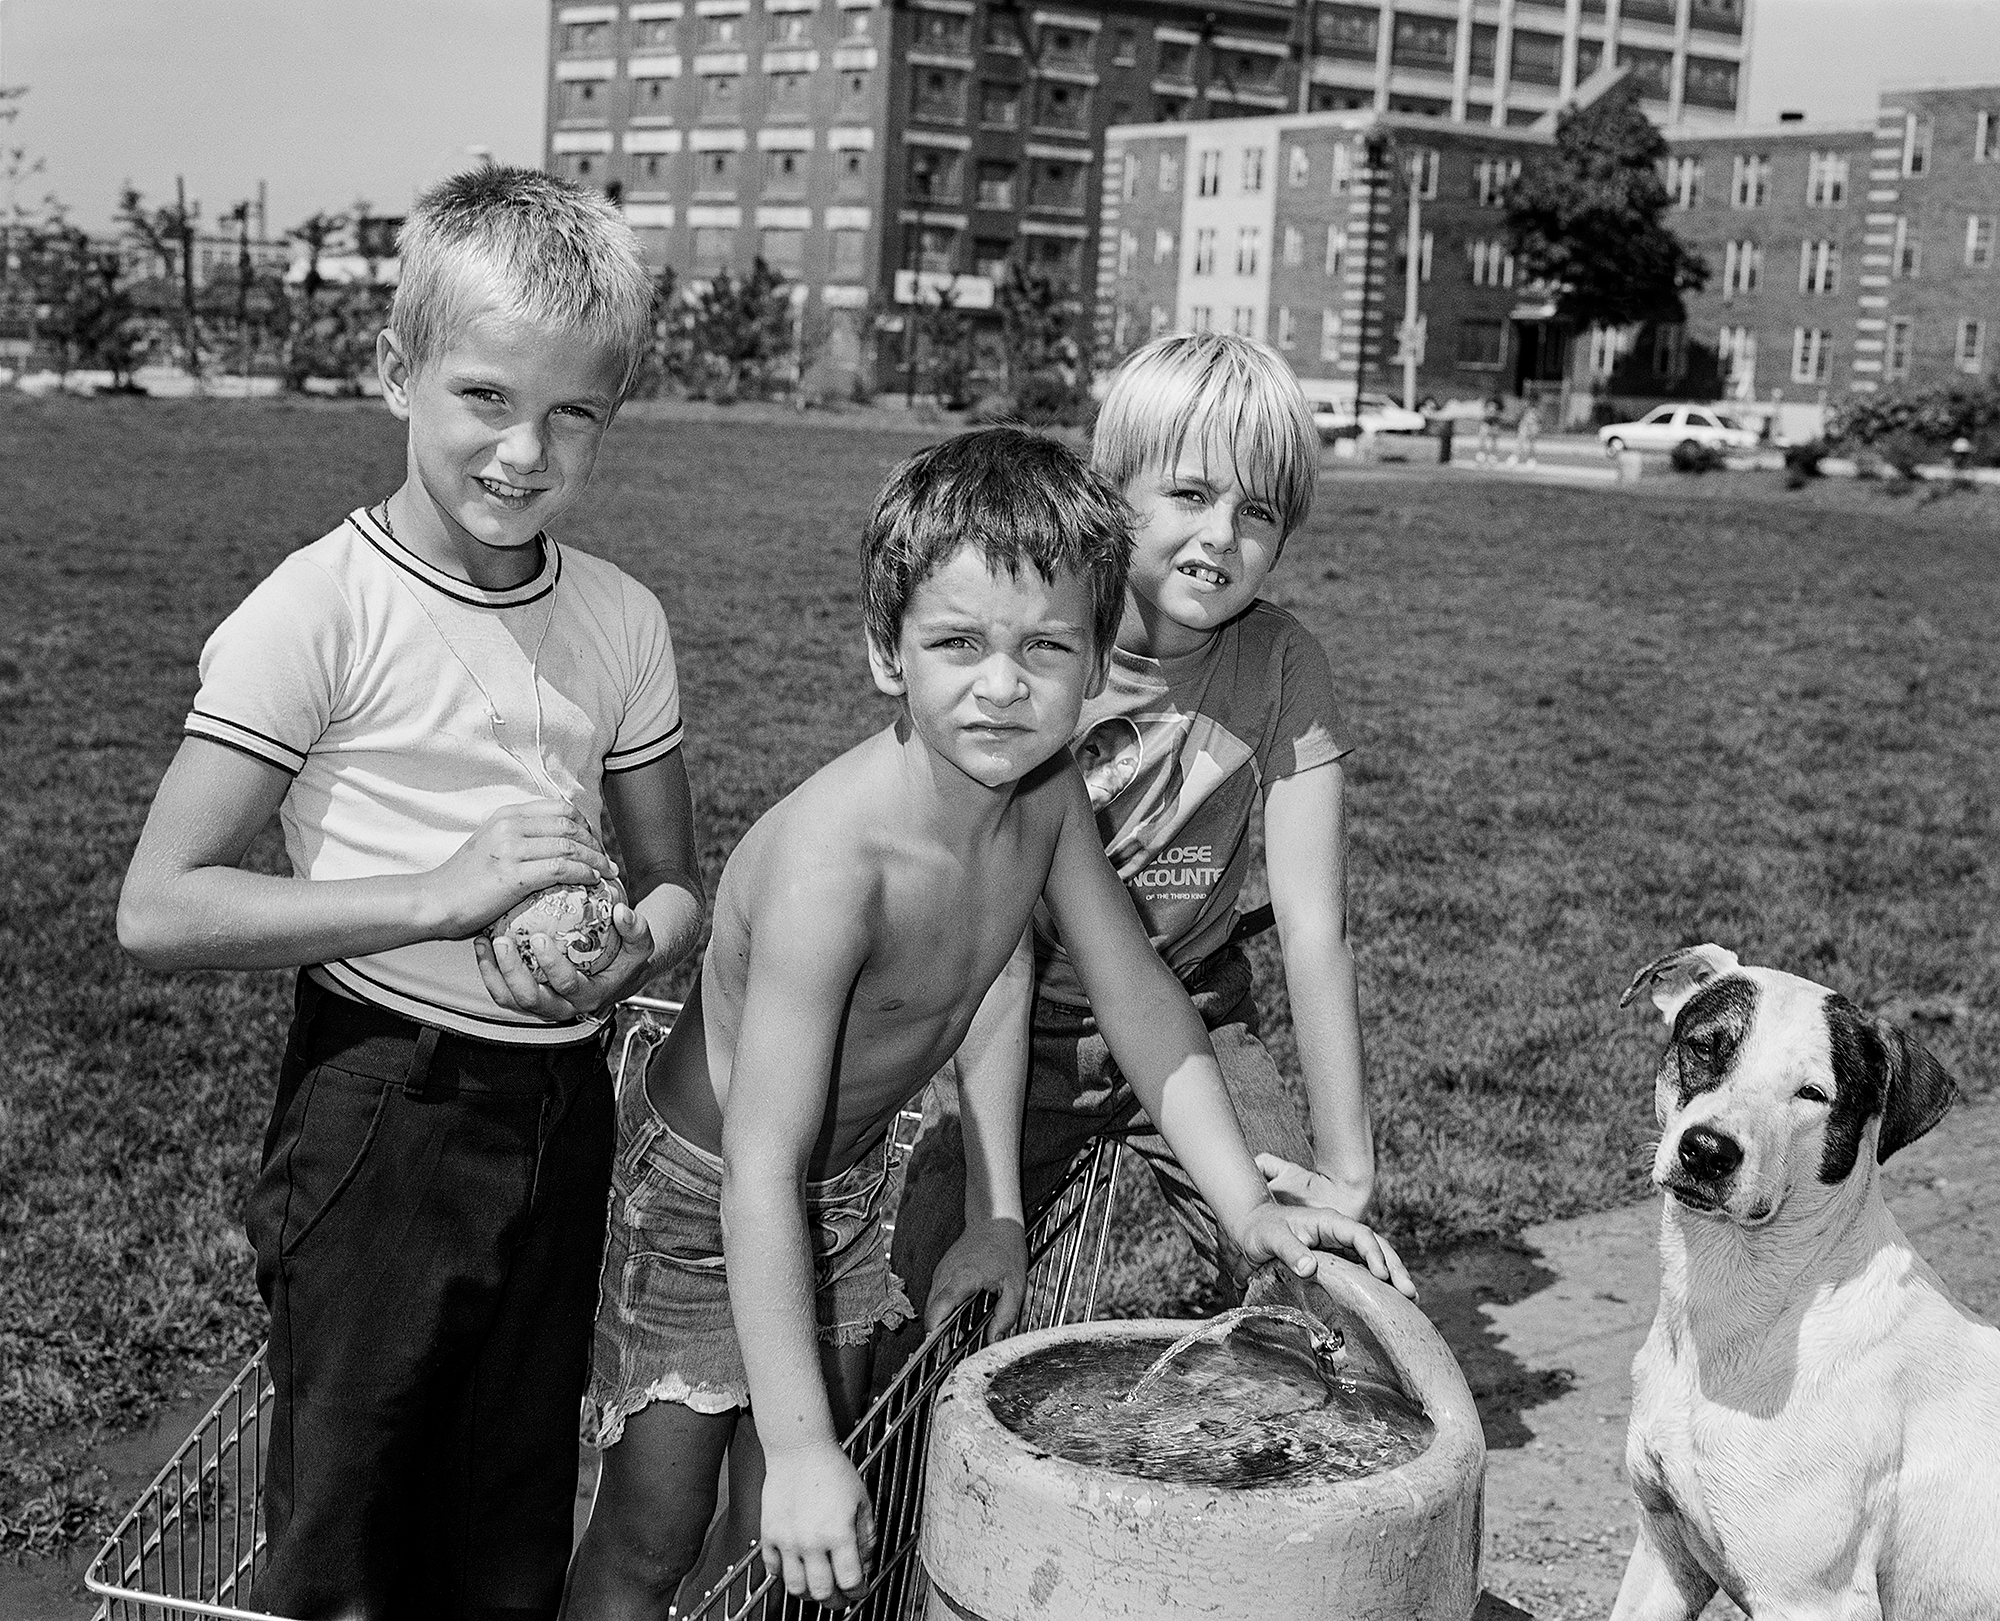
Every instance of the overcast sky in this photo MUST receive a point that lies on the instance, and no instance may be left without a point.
(332, 100)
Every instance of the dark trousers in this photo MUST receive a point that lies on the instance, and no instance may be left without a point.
(428, 1225)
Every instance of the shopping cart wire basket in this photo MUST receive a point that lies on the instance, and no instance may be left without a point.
(191, 1546)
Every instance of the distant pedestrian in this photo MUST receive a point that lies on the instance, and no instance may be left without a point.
(1526, 432)
(1489, 431)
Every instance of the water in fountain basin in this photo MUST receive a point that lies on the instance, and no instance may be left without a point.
(1233, 1404)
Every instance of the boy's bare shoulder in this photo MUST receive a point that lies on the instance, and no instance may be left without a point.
(824, 840)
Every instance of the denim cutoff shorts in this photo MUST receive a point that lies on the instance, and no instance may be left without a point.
(664, 1330)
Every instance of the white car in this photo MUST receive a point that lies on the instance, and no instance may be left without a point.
(1379, 414)
(1666, 427)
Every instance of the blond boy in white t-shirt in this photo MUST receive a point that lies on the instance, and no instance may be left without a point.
(442, 706)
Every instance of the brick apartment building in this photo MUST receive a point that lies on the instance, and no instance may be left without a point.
(1840, 257)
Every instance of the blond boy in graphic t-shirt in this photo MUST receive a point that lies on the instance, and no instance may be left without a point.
(1217, 706)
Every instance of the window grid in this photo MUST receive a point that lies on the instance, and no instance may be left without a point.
(1811, 354)
(1971, 345)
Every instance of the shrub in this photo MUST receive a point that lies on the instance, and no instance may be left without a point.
(1802, 462)
(1045, 399)
(1691, 456)
(1899, 423)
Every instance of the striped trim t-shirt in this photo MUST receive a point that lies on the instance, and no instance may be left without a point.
(408, 705)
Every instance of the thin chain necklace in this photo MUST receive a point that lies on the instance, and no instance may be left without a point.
(494, 719)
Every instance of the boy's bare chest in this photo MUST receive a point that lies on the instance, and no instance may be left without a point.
(944, 932)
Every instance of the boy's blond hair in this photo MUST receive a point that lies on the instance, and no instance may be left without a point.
(1237, 394)
(527, 246)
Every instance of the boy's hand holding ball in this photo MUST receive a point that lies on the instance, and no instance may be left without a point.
(567, 951)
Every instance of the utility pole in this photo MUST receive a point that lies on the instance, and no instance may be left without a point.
(184, 229)
(1412, 270)
(241, 215)
(1375, 157)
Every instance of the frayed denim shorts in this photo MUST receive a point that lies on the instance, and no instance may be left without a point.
(664, 1330)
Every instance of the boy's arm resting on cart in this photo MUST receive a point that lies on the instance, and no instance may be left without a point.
(992, 1253)
(186, 902)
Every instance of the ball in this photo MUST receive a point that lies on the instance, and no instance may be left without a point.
(575, 916)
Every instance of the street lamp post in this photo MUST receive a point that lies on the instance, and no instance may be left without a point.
(1412, 269)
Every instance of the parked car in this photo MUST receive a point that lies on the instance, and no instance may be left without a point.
(1379, 414)
(1666, 427)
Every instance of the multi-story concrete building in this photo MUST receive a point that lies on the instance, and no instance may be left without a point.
(871, 155)
(1840, 257)
(1510, 62)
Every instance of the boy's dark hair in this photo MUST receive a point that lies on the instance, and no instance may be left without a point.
(1018, 498)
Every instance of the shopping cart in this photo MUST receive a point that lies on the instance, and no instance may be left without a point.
(191, 1546)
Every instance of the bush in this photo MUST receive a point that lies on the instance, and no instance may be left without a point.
(1917, 425)
(1802, 462)
(1690, 456)
(1046, 399)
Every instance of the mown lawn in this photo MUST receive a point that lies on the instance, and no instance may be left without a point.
(1587, 727)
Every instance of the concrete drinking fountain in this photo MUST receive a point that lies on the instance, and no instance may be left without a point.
(1268, 1463)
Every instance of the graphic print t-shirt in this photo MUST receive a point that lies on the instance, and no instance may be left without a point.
(1176, 753)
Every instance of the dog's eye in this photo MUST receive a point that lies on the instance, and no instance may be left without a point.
(1812, 1094)
(1703, 1048)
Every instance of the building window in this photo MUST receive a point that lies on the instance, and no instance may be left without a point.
(1295, 247)
(1826, 179)
(721, 96)
(850, 255)
(1343, 169)
(1253, 170)
(654, 33)
(585, 98)
(1492, 176)
(715, 174)
(936, 174)
(1736, 349)
(650, 171)
(1819, 267)
(1742, 268)
(1204, 251)
(1710, 82)
(1908, 257)
(1200, 318)
(937, 94)
(1750, 180)
(1249, 244)
(784, 251)
(784, 174)
(1986, 138)
(1811, 354)
(854, 94)
(947, 32)
(714, 249)
(1427, 44)
(1298, 165)
(1000, 106)
(854, 27)
(996, 185)
(1652, 71)
(1329, 334)
(1286, 339)
(1055, 185)
(1589, 58)
(1058, 258)
(587, 37)
(583, 167)
(1208, 181)
(1424, 172)
(788, 95)
(1481, 344)
(1609, 345)
(1065, 47)
(937, 249)
(1720, 16)
(850, 175)
(1176, 61)
(1978, 241)
(652, 98)
(788, 28)
(1128, 251)
(1424, 245)
(1125, 48)
(1538, 58)
(1916, 144)
(1896, 357)
(1336, 249)
(1971, 345)
(722, 33)
(1170, 172)
(1349, 31)
(1163, 246)
(1684, 182)
(1492, 264)
(1060, 106)
(990, 255)
(1130, 173)
(1003, 30)
(1670, 350)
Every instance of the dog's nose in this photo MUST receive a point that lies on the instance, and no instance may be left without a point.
(1707, 1155)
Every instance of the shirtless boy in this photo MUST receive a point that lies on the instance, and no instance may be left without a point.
(857, 928)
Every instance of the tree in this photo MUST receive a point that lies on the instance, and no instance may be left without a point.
(168, 233)
(1035, 315)
(944, 349)
(313, 233)
(85, 311)
(1588, 219)
(742, 330)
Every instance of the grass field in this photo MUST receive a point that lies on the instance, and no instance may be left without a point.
(1587, 727)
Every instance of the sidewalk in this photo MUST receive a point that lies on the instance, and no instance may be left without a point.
(1546, 1333)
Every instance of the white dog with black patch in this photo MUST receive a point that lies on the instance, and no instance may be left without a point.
(1815, 1421)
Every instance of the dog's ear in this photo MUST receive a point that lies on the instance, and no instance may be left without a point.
(1917, 1091)
(1676, 976)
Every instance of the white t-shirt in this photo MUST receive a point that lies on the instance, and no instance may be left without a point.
(409, 705)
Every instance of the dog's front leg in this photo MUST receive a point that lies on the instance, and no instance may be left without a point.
(1663, 1582)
